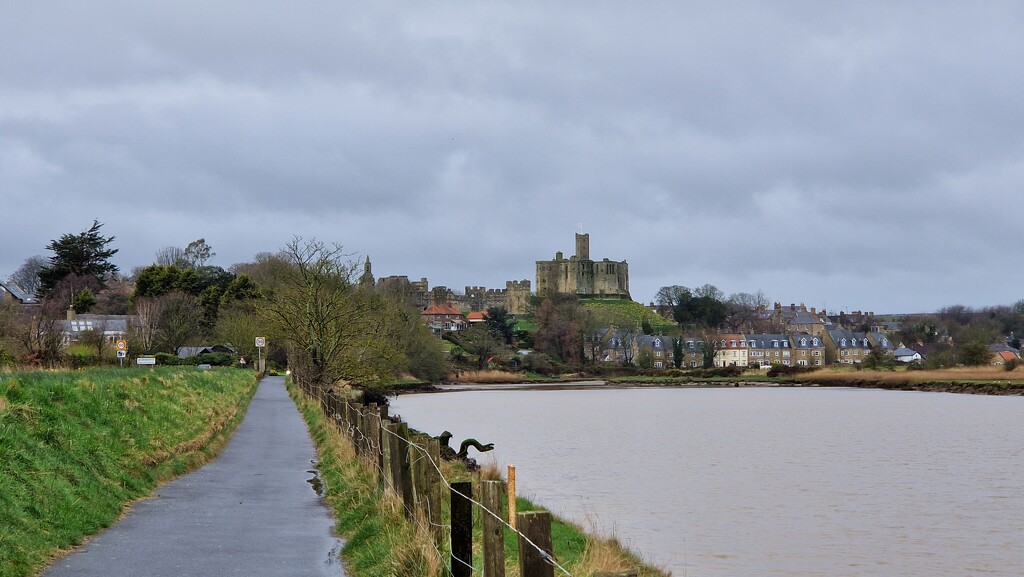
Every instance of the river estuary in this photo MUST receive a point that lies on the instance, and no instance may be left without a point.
(757, 482)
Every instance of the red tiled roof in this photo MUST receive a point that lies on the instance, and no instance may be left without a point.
(445, 309)
(1007, 355)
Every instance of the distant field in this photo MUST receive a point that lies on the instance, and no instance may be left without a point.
(75, 447)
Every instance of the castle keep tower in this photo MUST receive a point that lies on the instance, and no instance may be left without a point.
(581, 276)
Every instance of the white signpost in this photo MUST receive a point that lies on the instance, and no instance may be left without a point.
(261, 342)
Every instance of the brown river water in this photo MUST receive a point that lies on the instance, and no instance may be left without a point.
(764, 481)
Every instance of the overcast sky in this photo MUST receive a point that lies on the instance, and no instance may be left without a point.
(863, 157)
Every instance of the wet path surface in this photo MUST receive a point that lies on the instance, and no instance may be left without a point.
(252, 511)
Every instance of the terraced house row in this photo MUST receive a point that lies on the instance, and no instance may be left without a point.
(745, 350)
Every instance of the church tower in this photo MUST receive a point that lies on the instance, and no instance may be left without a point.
(366, 281)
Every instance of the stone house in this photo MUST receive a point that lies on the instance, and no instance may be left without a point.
(808, 349)
(732, 351)
(767, 349)
(112, 327)
(660, 349)
(846, 347)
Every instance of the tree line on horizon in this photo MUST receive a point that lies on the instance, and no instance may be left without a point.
(306, 297)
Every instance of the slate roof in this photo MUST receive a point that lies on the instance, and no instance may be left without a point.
(812, 342)
(16, 292)
(858, 340)
(768, 341)
(109, 324)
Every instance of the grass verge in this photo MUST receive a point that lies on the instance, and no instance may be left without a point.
(76, 447)
(382, 542)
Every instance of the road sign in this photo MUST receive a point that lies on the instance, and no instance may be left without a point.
(122, 354)
(122, 345)
(261, 342)
(145, 360)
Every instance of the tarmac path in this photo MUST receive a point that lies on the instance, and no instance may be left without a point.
(252, 511)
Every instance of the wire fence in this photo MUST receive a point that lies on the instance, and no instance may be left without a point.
(408, 466)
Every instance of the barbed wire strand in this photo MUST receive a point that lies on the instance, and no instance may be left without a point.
(352, 430)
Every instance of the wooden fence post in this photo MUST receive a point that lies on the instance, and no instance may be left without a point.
(494, 529)
(357, 435)
(434, 489)
(393, 477)
(462, 529)
(404, 469)
(373, 430)
(535, 526)
(512, 496)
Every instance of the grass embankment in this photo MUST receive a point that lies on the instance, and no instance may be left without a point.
(978, 380)
(498, 377)
(975, 380)
(76, 447)
(381, 542)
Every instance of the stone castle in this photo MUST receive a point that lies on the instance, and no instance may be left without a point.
(577, 275)
(585, 278)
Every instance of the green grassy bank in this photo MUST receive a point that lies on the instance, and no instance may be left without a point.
(381, 542)
(76, 447)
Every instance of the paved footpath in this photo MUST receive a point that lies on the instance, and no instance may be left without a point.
(252, 511)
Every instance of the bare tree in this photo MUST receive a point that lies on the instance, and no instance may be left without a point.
(745, 310)
(146, 330)
(628, 341)
(26, 277)
(171, 256)
(96, 338)
(334, 331)
(41, 338)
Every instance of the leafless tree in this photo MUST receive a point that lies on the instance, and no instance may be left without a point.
(26, 277)
(171, 256)
(41, 337)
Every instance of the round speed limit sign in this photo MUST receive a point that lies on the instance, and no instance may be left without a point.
(122, 345)
(261, 342)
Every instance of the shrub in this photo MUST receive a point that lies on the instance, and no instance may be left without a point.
(213, 359)
(785, 370)
(539, 363)
(169, 359)
(1010, 364)
(713, 372)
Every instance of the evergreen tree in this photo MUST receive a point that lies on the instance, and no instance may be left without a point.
(85, 254)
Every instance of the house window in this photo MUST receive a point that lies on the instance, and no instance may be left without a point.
(814, 342)
(803, 342)
(842, 343)
(816, 353)
(732, 344)
(657, 342)
(785, 344)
